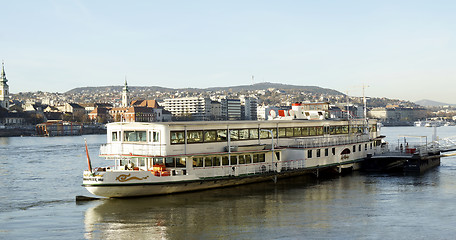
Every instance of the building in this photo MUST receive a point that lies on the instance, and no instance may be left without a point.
(196, 108)
(249, 107)
(397, 115)
(145, 103)
(231, 109)
(72, 108)
(4, 89)
(100, 115)
(12, 118)
(216, 110)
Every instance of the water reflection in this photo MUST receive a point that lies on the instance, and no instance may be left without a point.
(251, 210)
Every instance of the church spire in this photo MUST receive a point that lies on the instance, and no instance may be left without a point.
(3, 74)
(125, 98)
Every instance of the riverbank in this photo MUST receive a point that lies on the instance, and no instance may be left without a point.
(29, 130)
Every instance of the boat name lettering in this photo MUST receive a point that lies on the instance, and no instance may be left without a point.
(93, 179)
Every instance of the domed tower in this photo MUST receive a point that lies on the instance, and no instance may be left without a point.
(125, 98)
(4, 89)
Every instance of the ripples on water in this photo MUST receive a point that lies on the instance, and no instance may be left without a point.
(39, 178)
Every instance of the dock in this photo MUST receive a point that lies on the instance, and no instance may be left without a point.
(411, 157)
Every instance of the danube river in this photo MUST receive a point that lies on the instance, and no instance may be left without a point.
(40, 177)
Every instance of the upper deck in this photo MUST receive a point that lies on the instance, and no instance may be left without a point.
(180, 138)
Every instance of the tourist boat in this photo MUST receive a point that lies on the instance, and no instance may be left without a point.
(169, 157)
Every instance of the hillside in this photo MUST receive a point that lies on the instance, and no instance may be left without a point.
(257, 86)
(430, 103)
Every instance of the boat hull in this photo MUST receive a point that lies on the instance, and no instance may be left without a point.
(137, 189)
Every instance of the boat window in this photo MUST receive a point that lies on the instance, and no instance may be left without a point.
(305, 131)
(216, 161)
(264, 134)
(319, 131)
(221, 135)
(233, 160)
(123, 162)
(318, 153)
(359, 148)
(289, 132)
(282, 132)
(365, 147)
(297, 132)
(155, 136)
(197, 161)
(309, 153)
(158, 161)
(234, 134)
(194, 136)
(177, 137)
(261, 158)
(354, 148)
(253, 133)
(114, 136)
(225, 160)
(332, 130)
(210, 136)
(142, 162)
(373, 128)
(169, 162)
(334, 151)
(255, 158)
(208, 161)
(248, 159)
(326, 152)
(370, 145)
(345, 129)
(241, 159)
(277, 156)
(180, 162)
(135, 136)
(243, 134)
(312, 131)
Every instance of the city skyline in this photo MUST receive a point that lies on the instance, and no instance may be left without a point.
(401, 50)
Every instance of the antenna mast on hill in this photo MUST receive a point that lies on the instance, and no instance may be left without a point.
(253, 79)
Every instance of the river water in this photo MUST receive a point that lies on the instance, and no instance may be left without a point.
(40, 177)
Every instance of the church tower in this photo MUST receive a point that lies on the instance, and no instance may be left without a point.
(4, 89)
(125, 98)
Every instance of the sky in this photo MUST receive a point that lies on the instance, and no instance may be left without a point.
(399, 49)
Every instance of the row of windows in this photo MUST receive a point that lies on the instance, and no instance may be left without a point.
(221, 135)
(207, 161)
(136, 136)
(224, 160)
(319, 152)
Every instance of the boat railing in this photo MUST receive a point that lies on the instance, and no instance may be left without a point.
(293, 164)
(253, 168)
(134, 148)
(409, 149)
(236, 170)
(329, 141)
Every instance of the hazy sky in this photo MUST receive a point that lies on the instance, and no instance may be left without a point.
(401, 49)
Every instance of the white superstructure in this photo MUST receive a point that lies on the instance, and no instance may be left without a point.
(162, 158)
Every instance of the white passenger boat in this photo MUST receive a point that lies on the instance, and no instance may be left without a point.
(170, 157)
